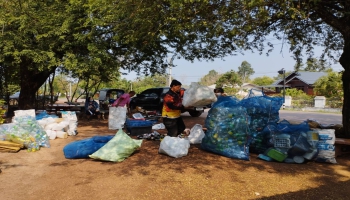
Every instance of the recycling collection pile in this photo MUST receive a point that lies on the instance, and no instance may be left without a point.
(236, 128)
(34, 131)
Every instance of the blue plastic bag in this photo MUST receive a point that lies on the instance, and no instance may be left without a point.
(84, 148)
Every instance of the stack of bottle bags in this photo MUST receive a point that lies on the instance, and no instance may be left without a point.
(58, 127)
(25, 130)
(34, 130)
(232, 124)
(295, 143)
(107, 148)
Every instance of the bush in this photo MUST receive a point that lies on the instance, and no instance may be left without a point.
(334, 102)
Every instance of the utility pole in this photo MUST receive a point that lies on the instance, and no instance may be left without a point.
(282, 71)
(170, 61)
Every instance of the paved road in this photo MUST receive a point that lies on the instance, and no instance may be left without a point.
(323, 118)
(296, 116)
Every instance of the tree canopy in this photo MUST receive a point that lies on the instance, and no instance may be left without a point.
(229, 79)
(330, 85)
(97, 37)
(264, 80)
(245, 71)
(210, 78)
(313, 65)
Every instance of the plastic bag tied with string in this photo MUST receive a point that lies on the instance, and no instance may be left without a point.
(227, 129)
(262, 110)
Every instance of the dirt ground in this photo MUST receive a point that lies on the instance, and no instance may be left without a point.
(47, 174)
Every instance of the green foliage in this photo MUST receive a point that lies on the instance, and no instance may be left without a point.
(295, 93)
(2, 110)
(245, 71)
(229, 80)
(330, 85)
(264, 80)
(334, 102)
(315, 65)
(98, 38)
(231, 91)
(145, 82)
(299, 98)
(210, 78)
(2, 103)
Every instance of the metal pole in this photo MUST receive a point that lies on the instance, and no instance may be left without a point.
(282, 71)
(284, 87)
(170, 61)
(169, 81)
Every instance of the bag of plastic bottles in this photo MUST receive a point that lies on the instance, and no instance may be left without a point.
(196, 134)
(262, 110)
(198, 95)
(227, 130)
(174, 146)
(27, 131)
(116, 117)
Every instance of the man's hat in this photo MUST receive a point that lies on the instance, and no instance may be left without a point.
(174, 83)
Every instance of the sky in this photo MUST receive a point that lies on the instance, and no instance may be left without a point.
(187, 72)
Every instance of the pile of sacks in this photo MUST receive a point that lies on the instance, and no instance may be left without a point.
(58, 127)
(118, 147)
(294, 143)
(114, 148)
(26, 131)
(34, 131)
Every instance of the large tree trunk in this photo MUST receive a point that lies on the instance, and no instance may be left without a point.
(31, 80)
(345, 62)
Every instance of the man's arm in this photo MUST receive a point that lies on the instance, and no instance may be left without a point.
(169, 101)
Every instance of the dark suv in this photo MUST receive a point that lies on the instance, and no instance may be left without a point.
(152, 100)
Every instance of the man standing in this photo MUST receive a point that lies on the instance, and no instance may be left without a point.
(172, 106)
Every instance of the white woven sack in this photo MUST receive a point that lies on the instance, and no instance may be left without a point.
(71, 117)
(21, 113)
(116, 117)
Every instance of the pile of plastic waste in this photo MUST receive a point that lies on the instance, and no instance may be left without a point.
(236, 128)
(27, 131)
(232, 124)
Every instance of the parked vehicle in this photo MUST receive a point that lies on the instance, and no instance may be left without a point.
(13, 99)
(152, 100)
(107, 96)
